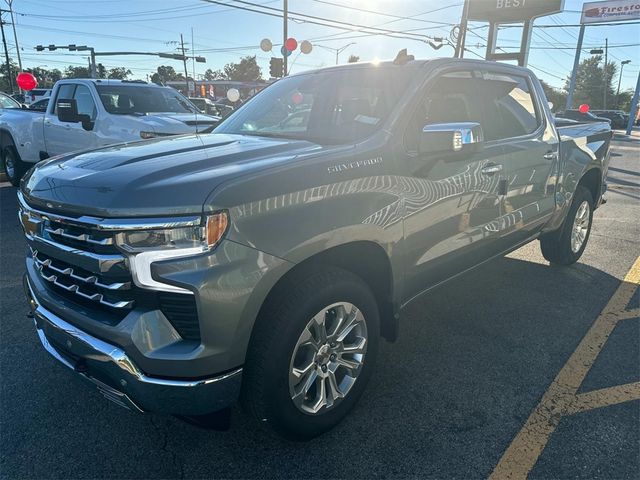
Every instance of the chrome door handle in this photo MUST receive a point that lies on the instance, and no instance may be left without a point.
(491, 169)
(550, 156)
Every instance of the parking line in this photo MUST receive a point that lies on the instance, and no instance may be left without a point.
(561, 397)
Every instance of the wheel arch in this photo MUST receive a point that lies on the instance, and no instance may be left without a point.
(365, 259)
(592, 181)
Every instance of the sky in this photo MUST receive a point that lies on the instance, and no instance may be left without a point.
(223, 34)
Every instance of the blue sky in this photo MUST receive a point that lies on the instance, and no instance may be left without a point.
(223, 34)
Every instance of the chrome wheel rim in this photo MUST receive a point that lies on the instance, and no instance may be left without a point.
(9, 166)
(580, 227)
(328, 358)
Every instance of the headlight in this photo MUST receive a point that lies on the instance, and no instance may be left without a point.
(144, 247)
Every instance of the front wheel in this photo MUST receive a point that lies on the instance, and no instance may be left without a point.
(566, 245)
(312, 354)
(14, 167)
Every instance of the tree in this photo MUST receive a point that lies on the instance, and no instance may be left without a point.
(353, 59)
(77, 72)
(554, 95)
(8, 77)
(246, 70)
(591, 82)
(214, 74)
(166, 73)
(46, 78)
(119, 73)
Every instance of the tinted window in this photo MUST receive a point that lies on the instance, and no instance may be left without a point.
(140, 100)
(7, 102)
(509, 107)
(84, 100)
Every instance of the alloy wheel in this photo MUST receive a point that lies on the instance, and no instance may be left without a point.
(328, 358)
(580, 227)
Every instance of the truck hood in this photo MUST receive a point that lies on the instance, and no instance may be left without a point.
(177, 123)
(161, 177)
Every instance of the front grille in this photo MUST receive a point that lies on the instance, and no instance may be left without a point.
(182, 312)
(79, 261)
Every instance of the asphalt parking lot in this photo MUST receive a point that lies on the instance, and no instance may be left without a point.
(517, 369)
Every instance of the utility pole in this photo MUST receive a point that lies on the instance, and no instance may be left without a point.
(285, 34)
(184, 61)
(462, 33)
(574, 71)
(6, 54)
(15, 35)
(622, 64)
(606, 76)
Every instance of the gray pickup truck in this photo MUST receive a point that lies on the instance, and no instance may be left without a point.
(264, 262)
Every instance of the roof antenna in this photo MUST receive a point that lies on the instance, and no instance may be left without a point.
(403, 57)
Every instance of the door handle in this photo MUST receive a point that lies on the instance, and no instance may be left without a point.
(550, 156)
(491, 169)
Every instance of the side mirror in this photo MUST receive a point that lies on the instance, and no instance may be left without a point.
(68, 112)
(451, 137)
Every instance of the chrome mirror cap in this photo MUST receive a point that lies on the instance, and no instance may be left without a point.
(454, 135)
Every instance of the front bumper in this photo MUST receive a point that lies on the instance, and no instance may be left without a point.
(120, 380)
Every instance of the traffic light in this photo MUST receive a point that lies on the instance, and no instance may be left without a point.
(276, 67)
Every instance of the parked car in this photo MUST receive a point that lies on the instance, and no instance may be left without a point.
(265, 261)
(205, 105)
(223, 110)
(7, 101)
(18, 97)
(617, 118)
(91, 113)
(36, 94)
(581, 117)
(41, 105)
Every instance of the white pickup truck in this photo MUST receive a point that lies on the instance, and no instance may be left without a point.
(86, 114)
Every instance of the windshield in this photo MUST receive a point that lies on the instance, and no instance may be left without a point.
(8, 102)
(333, 107)
(141, 100)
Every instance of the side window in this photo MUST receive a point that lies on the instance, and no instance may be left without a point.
(452, 98)
(85, 102)
(509, 106)
(65, 92)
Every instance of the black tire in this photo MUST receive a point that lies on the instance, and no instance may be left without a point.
(557, 246)
(265, 392)
(14, 167)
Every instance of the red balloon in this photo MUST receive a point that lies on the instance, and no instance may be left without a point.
(297, 98)
(584, 108)
(26, 81)
(291, 44)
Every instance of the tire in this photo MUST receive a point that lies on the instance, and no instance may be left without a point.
(566, 245)
(14, 167)
(288, 336)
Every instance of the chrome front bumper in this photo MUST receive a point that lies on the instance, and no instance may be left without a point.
(119, 379)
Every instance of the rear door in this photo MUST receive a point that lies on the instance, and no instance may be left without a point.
(63, 137)
(519, 124)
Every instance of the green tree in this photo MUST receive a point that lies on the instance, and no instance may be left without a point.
(77, 72)
(353, 59)
(214, 74)
(591, 81)
(46, 78)
(246, 70)
(166, 73)
(8, 77)
(554, 95)
(119, 73)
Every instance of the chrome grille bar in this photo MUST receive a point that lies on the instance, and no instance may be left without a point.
(83, 237)
(96, 297)
(91, 280)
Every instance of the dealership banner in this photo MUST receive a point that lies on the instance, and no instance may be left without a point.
(610, 11)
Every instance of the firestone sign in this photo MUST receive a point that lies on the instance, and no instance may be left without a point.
(509, 11)
(611, 11)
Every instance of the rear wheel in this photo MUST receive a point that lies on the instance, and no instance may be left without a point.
(14, 167)
(312, 354)
(566, 245)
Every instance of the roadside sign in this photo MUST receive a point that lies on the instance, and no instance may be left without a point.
(509, 11)
(610, 11)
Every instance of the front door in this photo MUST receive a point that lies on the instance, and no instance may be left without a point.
(451, 202)
(63, 137)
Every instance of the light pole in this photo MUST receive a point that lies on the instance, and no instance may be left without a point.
(337, 51)
(622, 64)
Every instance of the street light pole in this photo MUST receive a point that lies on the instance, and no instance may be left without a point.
(622, 64)
(606, 76)
(6, 54)
(337, 51)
